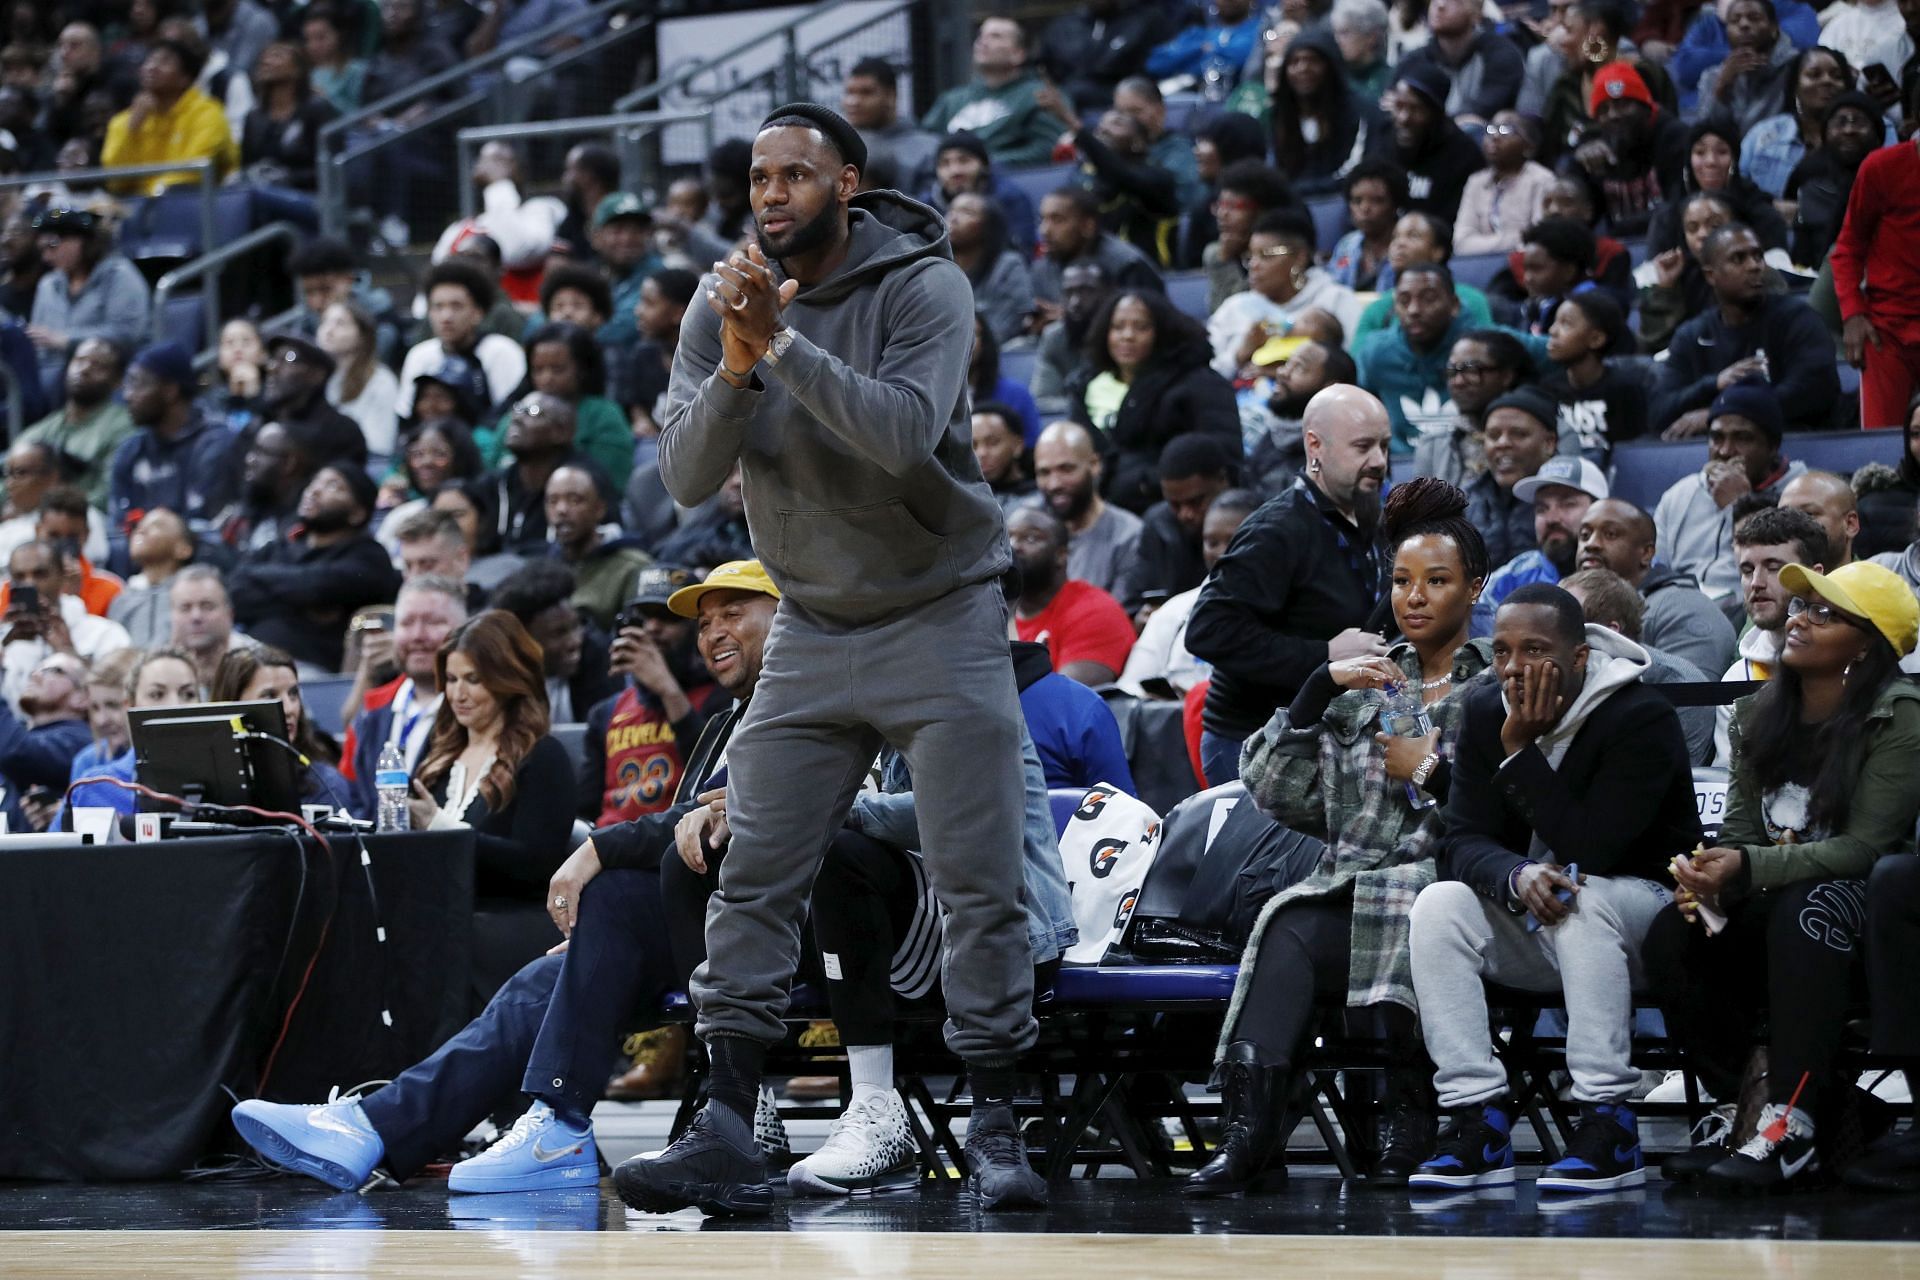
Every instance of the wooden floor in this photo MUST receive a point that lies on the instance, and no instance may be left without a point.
(735, 1255)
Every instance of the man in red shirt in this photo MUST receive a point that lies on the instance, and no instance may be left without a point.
(1876, 277)
(1084, 628)
(637, 741)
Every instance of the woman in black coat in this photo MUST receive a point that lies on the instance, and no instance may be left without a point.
(1311, 94)
(1146, 381)
(1713, 166)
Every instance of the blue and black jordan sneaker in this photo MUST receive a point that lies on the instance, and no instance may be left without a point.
(1474, 1150)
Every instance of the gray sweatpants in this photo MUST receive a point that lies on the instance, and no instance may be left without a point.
(1461, 941)
(937, 684)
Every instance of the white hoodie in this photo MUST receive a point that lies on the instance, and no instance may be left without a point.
(1759, 653)
(1233, 318)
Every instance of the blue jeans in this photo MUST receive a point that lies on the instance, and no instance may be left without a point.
(1219, 758)
(550, 1032)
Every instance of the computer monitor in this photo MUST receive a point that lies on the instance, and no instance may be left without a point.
(202, 754)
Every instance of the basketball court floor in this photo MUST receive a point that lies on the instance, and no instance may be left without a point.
(1113, 1226)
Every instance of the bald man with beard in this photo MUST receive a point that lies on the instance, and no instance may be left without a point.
(1101, 537)
(1301, 583)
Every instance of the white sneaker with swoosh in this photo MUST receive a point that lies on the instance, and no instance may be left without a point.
(1781, 1150)
(540, 1153)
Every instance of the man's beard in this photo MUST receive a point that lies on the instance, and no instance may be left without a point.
(88, 396)
(1289, 406)
(1560, 549)
(35, 707)
(1366, 508)
(1077, 502)
(804, 237)
(328, 520)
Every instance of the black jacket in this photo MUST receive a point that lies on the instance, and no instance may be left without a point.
(1168, 398)
(1165, 559)
(1296, 575)
(1750, 204)
(1620, 804)
(1350, 123)
(638, 844)
(517, 850)
(292, 145)
(1504, 520)
(1139, 201)
(299, 597)
(1437, 173)
(1800, 360)
(1087, 56)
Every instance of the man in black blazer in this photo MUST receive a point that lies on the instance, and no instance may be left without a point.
(1572, 790)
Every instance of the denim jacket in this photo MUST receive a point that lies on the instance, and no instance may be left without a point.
(888, 816)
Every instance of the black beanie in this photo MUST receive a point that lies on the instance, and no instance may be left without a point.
(365, 493)
(1533, 402)
(845, 138)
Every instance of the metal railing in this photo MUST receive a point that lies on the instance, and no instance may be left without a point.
(344, 141)
(213, 263)
(627, 128)
(203, 170)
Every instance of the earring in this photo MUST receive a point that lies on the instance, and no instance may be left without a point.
(1313, 466)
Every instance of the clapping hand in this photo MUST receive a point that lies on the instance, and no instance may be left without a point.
(748, 301)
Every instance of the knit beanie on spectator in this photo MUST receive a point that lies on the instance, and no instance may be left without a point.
(1619, 80)
(358, 482)
(169, 362)
(962, 140)
(1753, 401)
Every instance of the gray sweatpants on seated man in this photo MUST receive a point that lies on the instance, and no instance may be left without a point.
(1462, 941)
(936, 683)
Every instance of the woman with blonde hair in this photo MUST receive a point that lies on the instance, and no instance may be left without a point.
(117, 682)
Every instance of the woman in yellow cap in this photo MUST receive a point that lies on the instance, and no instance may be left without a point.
(1823, 785)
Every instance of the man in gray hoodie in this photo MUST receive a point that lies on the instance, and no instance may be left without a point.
(1695, 516)
(830, 364)
(1680, 620)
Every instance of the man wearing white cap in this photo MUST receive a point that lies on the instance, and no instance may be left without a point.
(1560, 491)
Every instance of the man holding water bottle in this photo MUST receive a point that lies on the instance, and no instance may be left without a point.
(1571, 789)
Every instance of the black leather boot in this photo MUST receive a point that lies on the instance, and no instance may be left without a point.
(1255, 1097)
(1406, 1126)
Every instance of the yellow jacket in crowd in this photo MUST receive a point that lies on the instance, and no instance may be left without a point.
(196, 127)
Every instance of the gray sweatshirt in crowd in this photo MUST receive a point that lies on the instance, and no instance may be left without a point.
(862, 494)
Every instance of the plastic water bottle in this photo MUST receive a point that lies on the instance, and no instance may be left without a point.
(1404, 715)
(390, 779)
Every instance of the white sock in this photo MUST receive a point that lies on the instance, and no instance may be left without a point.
(871, 1068)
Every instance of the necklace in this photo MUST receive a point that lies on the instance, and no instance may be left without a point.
(1437, 684)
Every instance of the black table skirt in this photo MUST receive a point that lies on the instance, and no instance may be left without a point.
(139, 984)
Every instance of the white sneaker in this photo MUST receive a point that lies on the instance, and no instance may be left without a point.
(1888, 1086)
(870, 1148)
(1674, 1089)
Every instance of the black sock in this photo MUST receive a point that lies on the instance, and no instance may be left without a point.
(737, 1066)
(992, 1086)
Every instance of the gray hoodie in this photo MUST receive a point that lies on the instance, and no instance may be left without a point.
(1696, 534)
(862, 494)
(1683, 622)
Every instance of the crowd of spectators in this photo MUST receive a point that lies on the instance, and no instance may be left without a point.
(1689, 225)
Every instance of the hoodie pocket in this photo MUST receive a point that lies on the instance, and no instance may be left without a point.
(875, 556)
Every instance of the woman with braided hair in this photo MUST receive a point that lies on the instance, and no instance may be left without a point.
(1328, 766)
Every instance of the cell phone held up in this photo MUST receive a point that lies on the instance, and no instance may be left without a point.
(24, 599)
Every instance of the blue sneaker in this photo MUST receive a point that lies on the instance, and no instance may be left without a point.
(540, 1153)
(1604, 1154)
(333, 1142)
(1474, 1150)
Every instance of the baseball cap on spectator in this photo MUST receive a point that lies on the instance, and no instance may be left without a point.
(169, 362)
(734, 575)
(621, 204)
(1865, 590)
(468, 383)
(1619, 80)
(964, 140)
(1426, 80)
(65, 222)
(653, 589)
(1754, 402)
(307, 350)
(1564, 469)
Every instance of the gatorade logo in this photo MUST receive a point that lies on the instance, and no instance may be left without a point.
(1127, 901)
(1105, 854)
(1094, 801)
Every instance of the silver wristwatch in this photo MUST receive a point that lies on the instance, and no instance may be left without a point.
(1424, 770)
(777, 347)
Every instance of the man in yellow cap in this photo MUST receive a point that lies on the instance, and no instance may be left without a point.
(549, 1032)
